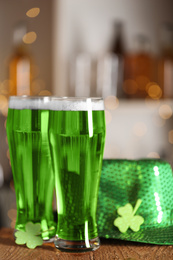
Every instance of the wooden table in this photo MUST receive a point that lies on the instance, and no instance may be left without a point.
(110, 249)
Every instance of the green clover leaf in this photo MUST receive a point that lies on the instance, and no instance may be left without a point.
(128, 218)
(30, 237)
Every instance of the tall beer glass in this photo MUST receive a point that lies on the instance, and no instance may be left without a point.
(77, 137)
(27, 133)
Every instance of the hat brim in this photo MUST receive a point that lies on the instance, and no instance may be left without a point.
(159, 235)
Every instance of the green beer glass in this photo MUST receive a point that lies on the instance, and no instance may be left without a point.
(27, 133)
(77, 137)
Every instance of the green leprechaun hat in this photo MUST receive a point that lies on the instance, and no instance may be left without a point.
(136, 201)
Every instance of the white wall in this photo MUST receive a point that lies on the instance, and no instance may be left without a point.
(86, 26)
(136, 130)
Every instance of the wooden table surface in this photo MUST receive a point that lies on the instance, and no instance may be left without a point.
(110, 249)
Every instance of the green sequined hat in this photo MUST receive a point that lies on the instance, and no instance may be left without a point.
(136, 201)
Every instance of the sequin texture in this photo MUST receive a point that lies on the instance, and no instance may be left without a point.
(126, 181)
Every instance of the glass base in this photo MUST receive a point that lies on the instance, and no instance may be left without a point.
(49, 240)
(77, 246)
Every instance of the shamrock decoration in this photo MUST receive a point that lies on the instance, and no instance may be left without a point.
(30, 237)
(128, 218)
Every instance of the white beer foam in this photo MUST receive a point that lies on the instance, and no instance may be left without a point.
(76, 104)
(24, 102)
(56, 104)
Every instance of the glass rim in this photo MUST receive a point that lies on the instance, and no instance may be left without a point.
(56, 103)
(59, 98)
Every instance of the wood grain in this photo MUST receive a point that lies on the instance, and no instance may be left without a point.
(110, 250)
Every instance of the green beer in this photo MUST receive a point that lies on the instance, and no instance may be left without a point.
(27, 132)
(77, 137)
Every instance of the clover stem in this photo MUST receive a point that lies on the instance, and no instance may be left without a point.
(51, 228)
(138, 203)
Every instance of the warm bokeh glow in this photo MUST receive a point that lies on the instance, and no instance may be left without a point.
(37, 85)
(45, 93)
(29, 37)
(111, 102)
(33, 12)
(170, 136)
(13, 223)
(108, 117)
(5, 123)
(6, 87)
(153, 155)
(3, 102)
(6, 140)
(153, 90)
(165, 111)
(140, 129)
(4, 105)
(12, 214)
(12, 185)
(8, 154)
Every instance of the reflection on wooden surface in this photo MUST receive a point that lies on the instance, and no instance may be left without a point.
(109, 250)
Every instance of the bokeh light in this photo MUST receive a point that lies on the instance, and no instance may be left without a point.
(170, 136)
(140, 129)
(33, 12)
(3, 102)
(29, 37)
(12, 185)
(108, 117)
(45, 93)
(111, 102)
(8, 154)
(12, 214)
(6, 87)
(37, 85)
(165, 111)
(6, 140)
(13, 223)
(153, 90)
(4, 111)
(5, 123)
(153, 155)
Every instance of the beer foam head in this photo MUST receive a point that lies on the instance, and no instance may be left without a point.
(26, 102)
(76, 104)
(56, 103)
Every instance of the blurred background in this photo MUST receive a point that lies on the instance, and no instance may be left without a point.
(121, 50)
